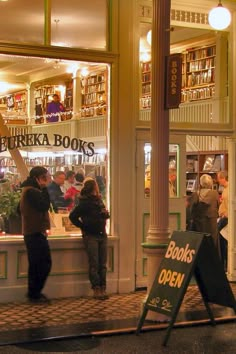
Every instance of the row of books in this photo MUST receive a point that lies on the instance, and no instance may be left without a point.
(146, 77)
(205, 77)
(212, 163)
(146, 66)
(201, 53)
(196, 94)
(203, 64)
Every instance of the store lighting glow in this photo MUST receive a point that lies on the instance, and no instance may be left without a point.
(219, 17)
(144, 57)
(84, 72)
(149, 37)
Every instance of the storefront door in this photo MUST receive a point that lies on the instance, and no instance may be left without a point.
(177, 212)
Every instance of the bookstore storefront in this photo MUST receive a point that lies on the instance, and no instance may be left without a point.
(104, 129)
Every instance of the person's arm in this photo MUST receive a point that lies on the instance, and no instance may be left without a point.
(74, 217)
(39, 199)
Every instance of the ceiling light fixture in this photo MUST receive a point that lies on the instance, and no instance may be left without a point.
(219, 17)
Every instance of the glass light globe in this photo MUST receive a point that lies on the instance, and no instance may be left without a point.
(219, 17)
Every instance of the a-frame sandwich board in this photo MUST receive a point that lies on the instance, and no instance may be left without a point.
(188, 253)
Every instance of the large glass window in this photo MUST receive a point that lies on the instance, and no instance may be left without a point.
(22, 21)
(74, 138)
(76, 23)
(79, 23)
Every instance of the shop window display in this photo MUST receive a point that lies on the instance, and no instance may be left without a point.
(23, 110)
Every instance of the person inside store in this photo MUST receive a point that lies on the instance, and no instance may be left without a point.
(34, 210)
(222, 178)
(189, 226)
(69, 181)
(204, 210)
(55, 109)
(90, 216)
(58, 201)
(172, 182)
(74, 191)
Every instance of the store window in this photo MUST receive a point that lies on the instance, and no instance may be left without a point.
(80, 24)
(22, 21)
(75, 138)
(173, 170)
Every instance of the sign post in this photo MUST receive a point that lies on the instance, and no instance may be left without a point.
(188, 253)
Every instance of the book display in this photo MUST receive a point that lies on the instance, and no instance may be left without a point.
(145, 101)
(198, 78)
(53, 163)
(94, 94)
(204, 162)
(15, 102)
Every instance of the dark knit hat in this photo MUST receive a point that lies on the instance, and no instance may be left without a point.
(38, 171)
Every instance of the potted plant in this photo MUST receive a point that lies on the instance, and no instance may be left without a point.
(8, 210)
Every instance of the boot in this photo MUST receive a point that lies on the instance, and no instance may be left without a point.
(97, 293)
(103, 293)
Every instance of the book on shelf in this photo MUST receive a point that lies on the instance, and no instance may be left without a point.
(217, 163)
(209, 162)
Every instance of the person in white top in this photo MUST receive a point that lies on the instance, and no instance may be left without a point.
(69, 181)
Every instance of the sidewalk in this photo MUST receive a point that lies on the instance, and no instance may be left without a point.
(83, 317)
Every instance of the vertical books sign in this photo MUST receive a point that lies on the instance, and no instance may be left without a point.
(173, 81)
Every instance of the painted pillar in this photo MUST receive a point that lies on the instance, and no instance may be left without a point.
(232, 155)
(76, 93)
(159, 198)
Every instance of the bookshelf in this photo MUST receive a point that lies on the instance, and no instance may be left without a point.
(15, 102)
(94, 94)
(198, 73)
(145, 101)
(197, 164)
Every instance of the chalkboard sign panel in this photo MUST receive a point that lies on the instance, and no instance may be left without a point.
(175, 272)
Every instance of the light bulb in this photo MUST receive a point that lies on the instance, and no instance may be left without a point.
(219, 17)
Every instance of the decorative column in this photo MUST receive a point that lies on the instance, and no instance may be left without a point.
(76, 93)
(232, 157)
(159, 198)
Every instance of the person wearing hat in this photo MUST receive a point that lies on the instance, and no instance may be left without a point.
(34, 206)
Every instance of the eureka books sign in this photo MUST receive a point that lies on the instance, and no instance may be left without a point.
(29, 140)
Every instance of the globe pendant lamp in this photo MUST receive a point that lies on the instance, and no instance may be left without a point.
(219, 17)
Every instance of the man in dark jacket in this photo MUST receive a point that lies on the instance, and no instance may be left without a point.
(34, 206)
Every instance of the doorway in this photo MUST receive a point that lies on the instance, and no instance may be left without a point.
(177, 210)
